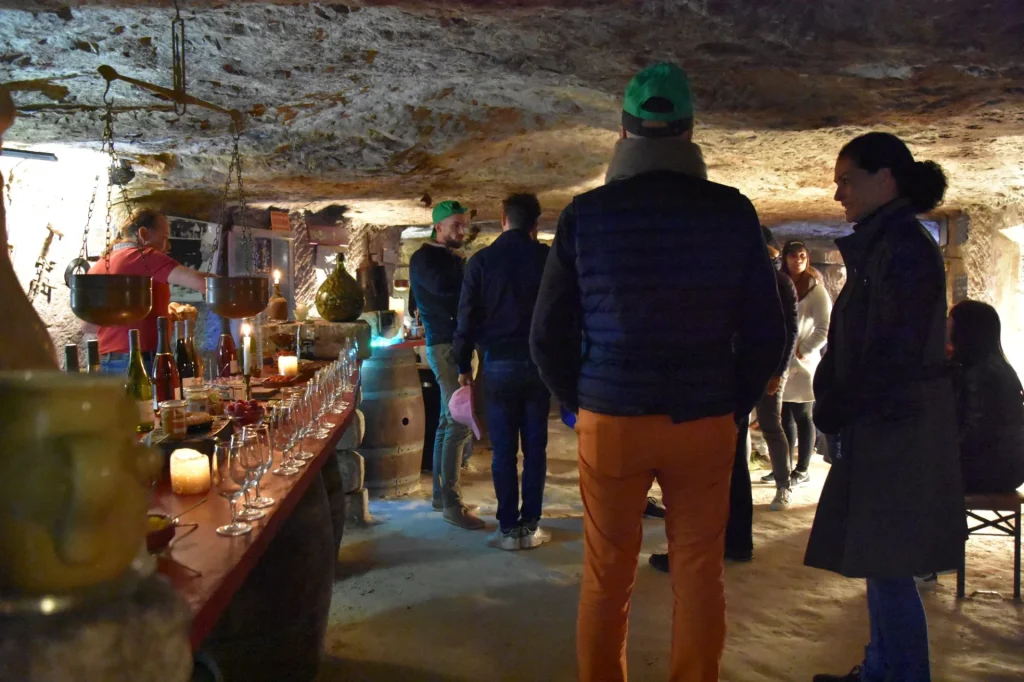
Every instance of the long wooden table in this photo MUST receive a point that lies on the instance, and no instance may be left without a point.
(208, 569)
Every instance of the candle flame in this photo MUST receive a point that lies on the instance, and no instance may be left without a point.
(277, 276)
(246, 329)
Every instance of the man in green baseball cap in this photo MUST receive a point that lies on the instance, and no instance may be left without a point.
(659, 322)
(435, 276)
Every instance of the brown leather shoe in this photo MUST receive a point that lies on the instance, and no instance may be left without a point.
(438, 506)
(462, 517)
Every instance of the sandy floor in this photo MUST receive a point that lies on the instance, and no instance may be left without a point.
(419, 600)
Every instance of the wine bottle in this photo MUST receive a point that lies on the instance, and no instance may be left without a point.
(137, 384)
(227, 353)
(166, 382)
(94, 356)
(182, 358)
(190, 345)
(71, 358)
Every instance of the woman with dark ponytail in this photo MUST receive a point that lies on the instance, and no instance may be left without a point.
(892, 506)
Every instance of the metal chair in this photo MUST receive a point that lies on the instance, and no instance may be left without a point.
(1007, 510)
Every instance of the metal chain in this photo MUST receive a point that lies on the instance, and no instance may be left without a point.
(88, 219)
(108, 144)
(247, 240)
(178, 57)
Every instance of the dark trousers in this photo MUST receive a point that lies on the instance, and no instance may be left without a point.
(799, 427)
(517, 412)
(739, 531)
(899, 633)
(769, 416)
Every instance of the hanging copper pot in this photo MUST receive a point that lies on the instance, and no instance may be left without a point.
(237, 297)
(111, 300)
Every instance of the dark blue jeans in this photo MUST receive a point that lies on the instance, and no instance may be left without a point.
(517, 410)
(899, 633)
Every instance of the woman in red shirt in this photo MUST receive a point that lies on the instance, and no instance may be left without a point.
(142, 250)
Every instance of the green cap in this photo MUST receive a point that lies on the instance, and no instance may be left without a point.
(446, 209)
(665, 81)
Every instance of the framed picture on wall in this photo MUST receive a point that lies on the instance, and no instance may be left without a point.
(193, 244)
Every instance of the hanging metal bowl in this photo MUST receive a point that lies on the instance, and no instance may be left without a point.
(237, 297)
(111, 300)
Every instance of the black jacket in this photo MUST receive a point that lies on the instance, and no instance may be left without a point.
(990, 415)
(659, 298)
(789, 299)
(435, 275)
(499, 292)
(892, 505)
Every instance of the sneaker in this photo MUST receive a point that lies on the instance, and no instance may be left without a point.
(659, 562)
(770, 478)
(782, 500)
(654, 510)
(798, 478)
(463, 517)
(506, 540)
(533, 537)
(927, 582)
(853, 676)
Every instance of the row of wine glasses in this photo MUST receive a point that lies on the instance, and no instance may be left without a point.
(242, 463)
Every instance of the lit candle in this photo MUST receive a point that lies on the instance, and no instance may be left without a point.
(277, 276)
(190, 472)
(288, 366)
(246, 349)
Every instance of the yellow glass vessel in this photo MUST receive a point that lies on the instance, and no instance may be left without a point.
(74, 482)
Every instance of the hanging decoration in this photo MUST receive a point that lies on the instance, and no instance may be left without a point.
(44, 266)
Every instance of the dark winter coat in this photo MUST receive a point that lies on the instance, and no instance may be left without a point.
(892, 506)
(435, 276)
(659, 298)
(499, 292)
(991, 420)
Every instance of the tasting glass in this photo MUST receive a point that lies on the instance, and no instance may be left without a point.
(229, 480)
(265, 447)
(250, 458)
(284, 432)
(302, 414)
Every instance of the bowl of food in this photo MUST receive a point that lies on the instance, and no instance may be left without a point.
(160, 530)
(198, 421)
(244, 413)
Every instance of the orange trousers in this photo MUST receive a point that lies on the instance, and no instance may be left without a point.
(619, 458)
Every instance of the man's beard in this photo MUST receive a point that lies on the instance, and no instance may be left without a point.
(453, 243)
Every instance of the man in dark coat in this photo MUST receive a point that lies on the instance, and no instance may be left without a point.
(499, 292)
(435, 274)
(892, 506)
(659, 321)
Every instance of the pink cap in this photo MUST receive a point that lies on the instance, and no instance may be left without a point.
(461, 408)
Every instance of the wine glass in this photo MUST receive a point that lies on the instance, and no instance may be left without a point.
(250, 457)
(229, 479)
(283, 432)
(303, 426)
(319, 404)
(264, 445)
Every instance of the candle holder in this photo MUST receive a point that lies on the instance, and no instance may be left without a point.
(248, 388)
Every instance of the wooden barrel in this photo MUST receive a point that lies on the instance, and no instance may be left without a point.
(392, 402)
(273, 630)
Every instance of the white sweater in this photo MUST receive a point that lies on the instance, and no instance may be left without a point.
(813, 315)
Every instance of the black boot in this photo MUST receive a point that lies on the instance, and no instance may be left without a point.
(659, 562)
(654, 509)
(853, 676)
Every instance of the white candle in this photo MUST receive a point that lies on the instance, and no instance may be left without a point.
(277, 276)
(246, 350)
(288, 366)
(190, 472)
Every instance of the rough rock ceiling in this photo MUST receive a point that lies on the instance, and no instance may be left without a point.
(375, 104)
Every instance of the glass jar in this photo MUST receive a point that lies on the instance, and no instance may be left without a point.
(172, 418)
(197, 398)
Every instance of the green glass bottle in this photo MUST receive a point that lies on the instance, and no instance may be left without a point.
(137, 384)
